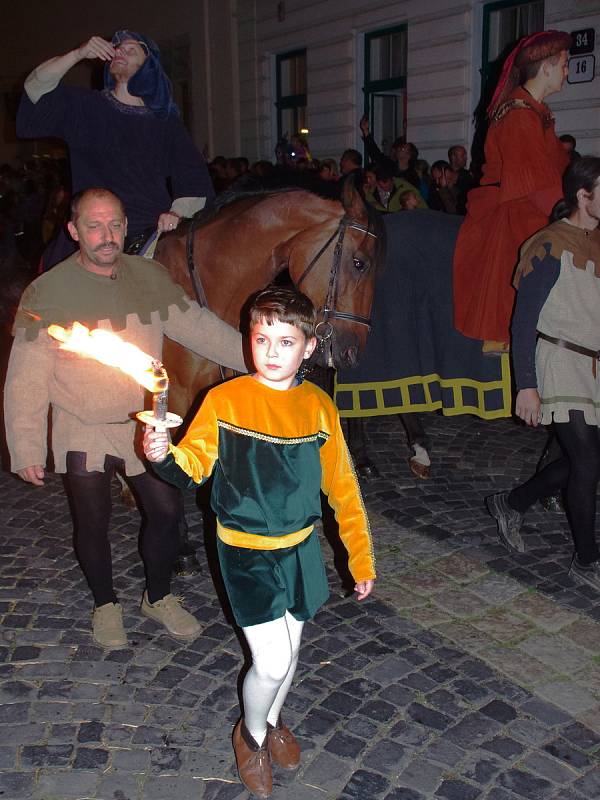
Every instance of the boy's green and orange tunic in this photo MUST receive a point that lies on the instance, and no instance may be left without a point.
(272, 453)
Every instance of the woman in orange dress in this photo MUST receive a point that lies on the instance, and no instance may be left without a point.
(524, 163)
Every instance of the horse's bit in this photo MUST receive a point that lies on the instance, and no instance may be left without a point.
(324, 328)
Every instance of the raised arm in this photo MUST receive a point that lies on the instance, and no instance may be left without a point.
(48, 75)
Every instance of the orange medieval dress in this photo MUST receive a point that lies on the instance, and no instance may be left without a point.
(522, 180)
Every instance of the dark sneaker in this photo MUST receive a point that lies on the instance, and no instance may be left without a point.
(589, 573)
(509, 521)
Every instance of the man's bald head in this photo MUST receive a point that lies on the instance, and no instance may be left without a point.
(83, 199)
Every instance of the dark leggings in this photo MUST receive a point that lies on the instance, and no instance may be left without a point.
(90, 496)
(577, 471)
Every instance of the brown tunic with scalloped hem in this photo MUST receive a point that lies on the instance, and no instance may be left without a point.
(92, 404)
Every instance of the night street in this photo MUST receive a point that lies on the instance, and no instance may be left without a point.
(469, 674)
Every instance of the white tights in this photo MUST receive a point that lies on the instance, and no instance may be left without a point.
(274, 646)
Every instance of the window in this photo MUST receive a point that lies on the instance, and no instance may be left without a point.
(503, 23)
(385, 84)
(291, 93)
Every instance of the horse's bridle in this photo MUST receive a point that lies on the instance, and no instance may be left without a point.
(324, 328)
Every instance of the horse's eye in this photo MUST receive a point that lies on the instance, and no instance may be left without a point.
(359, 265)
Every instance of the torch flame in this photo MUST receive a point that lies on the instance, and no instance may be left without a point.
(109, 349)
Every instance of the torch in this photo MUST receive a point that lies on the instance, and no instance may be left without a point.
(159, 418)
(109, 349)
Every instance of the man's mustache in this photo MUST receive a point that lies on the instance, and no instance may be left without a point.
(104, 245)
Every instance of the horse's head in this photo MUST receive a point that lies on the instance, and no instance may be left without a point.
(335, 263)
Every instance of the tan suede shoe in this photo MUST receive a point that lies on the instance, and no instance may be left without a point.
(253, 762)
(107, 627)
(168, 611)
(283, 746)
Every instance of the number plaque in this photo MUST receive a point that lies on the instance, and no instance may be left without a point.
(583, 41)
(581, 69)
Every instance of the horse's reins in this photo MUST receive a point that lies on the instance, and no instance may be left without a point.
(324, 328)
(195, 277)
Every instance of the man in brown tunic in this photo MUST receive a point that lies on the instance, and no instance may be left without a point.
(92, 429)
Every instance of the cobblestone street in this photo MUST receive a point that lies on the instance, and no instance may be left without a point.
(469, 674)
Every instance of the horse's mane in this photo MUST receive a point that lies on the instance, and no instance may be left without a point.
(231, 196)
(279, 183)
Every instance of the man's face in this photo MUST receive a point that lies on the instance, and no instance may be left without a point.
(347, 165)
(567, 147)
(100, 231)
(370, 180)
(459, 158)
(590, 202)
(403, 155)
(385, 184)
(130, 55)
(557, 73)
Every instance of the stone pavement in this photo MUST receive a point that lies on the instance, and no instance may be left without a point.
(470, 674)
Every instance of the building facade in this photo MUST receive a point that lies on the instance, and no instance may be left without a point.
(247, 72)
(415, 67)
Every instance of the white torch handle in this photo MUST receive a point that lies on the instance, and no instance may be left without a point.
(148, 418)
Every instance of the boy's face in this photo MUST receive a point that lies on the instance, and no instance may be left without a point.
(411, 201)
(278, 350)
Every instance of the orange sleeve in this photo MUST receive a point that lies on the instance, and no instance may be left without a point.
(198, 450)
(340, 484)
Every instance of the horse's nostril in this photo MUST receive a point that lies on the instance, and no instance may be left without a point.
(351, 356)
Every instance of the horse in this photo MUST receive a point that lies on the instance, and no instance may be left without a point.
(331, 250)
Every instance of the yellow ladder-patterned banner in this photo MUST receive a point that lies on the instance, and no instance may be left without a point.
(486, 399)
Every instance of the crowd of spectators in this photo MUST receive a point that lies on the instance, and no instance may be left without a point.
(34, 205)
(394, 182)
(35, 199)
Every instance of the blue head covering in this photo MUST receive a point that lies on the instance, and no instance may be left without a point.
(150, 82)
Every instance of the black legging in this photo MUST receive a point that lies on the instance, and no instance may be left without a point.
(89, 493)
(577, 471)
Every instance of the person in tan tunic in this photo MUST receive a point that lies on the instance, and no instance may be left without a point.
(92, 404)
(555, 348)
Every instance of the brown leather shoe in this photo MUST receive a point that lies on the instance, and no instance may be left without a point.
(253, 762)
(283, 746)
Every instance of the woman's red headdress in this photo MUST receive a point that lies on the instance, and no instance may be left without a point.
(537, 47)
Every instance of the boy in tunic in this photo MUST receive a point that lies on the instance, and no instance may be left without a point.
(273, 444)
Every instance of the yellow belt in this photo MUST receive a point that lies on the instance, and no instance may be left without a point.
(254, 541)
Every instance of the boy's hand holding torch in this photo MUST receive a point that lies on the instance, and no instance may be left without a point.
(156, 443)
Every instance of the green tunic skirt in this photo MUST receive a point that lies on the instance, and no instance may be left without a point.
(263, 584)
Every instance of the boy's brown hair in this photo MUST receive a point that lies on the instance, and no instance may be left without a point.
(284, 304)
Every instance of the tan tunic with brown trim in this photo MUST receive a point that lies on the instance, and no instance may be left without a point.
(558, 278)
